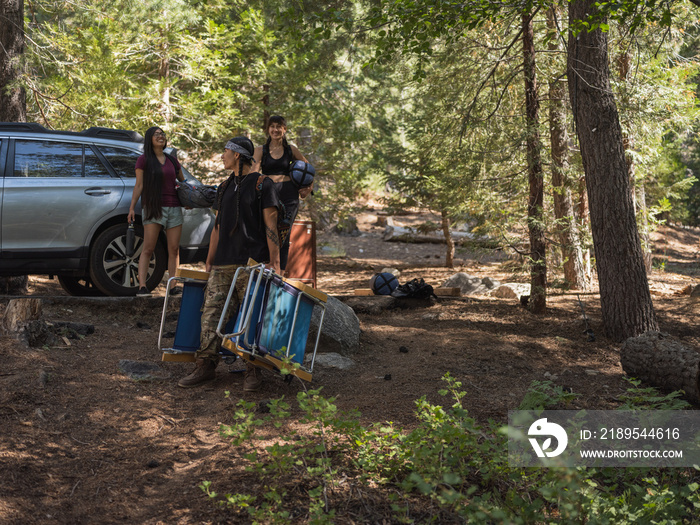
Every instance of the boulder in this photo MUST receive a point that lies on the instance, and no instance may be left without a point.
(511, 291)
(334, 360)
(396, 273)
(470, 285)
(341, 328)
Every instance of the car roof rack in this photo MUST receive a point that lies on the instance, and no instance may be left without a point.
(109, 133)
(23, 126)
(95, 131)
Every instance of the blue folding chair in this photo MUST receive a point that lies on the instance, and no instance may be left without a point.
(272, 326)
(189, 319)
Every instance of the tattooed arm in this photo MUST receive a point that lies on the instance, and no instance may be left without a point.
(213, 245)
(273, 239)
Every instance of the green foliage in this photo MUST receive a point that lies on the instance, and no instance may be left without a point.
(438, 115)
(649, 398)
(447, 463)
(544, 395)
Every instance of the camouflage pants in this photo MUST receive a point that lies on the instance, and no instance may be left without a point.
(217, 289)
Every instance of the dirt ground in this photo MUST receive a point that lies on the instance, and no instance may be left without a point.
(81, 443)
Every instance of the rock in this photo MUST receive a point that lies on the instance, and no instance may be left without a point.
(19, 312)
(490, 283)
(334, 360)
(393, 271)
(469, 285)
(696, 291)
(341, 328)
(141, 371)
(511, 291)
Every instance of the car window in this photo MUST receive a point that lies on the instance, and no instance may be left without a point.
(93, 165)
(48, 159)
(122, 160)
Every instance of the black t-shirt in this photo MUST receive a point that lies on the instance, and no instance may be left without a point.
(241, 224)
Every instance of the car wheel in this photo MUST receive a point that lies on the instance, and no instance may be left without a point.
(79, 286)
(114, 272)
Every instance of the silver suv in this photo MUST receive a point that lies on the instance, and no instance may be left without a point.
(64, 199)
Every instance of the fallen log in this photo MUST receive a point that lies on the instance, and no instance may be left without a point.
(662, 361)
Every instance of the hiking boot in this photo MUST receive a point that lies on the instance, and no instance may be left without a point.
(203, 373)
(143, 292)
(176, 290)
(252, 380)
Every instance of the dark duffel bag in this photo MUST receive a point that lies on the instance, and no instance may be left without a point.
(196, 196)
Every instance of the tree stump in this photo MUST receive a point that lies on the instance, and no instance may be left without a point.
(661, 361)
(19, 312)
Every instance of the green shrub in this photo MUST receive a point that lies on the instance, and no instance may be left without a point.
(448, 469)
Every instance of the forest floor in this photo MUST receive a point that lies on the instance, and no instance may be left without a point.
(81, 443)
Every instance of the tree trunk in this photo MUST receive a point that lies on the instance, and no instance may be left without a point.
(624, 62)
(266, 106)
(450, 245)
(164, 73)
(535, 211)
(567, 227)
(12, 96)
(663, 362)
(13, 107)
(584, 223)
(626, 305)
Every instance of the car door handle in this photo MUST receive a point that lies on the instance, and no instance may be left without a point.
(97, 191)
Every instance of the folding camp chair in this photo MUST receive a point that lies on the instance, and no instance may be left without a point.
(189, 326)
(273, 322)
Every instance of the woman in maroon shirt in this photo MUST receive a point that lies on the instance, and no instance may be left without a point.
(156, 176)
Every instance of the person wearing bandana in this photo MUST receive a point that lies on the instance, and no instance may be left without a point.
(245, 228)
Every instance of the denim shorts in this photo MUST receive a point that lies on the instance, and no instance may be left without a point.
(171, 218)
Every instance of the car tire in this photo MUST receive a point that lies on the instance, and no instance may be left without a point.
(79, 286)
(115, 273)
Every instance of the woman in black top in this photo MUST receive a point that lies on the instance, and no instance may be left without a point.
(274, 160)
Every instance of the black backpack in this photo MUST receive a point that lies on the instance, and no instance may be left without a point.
(415, 289)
